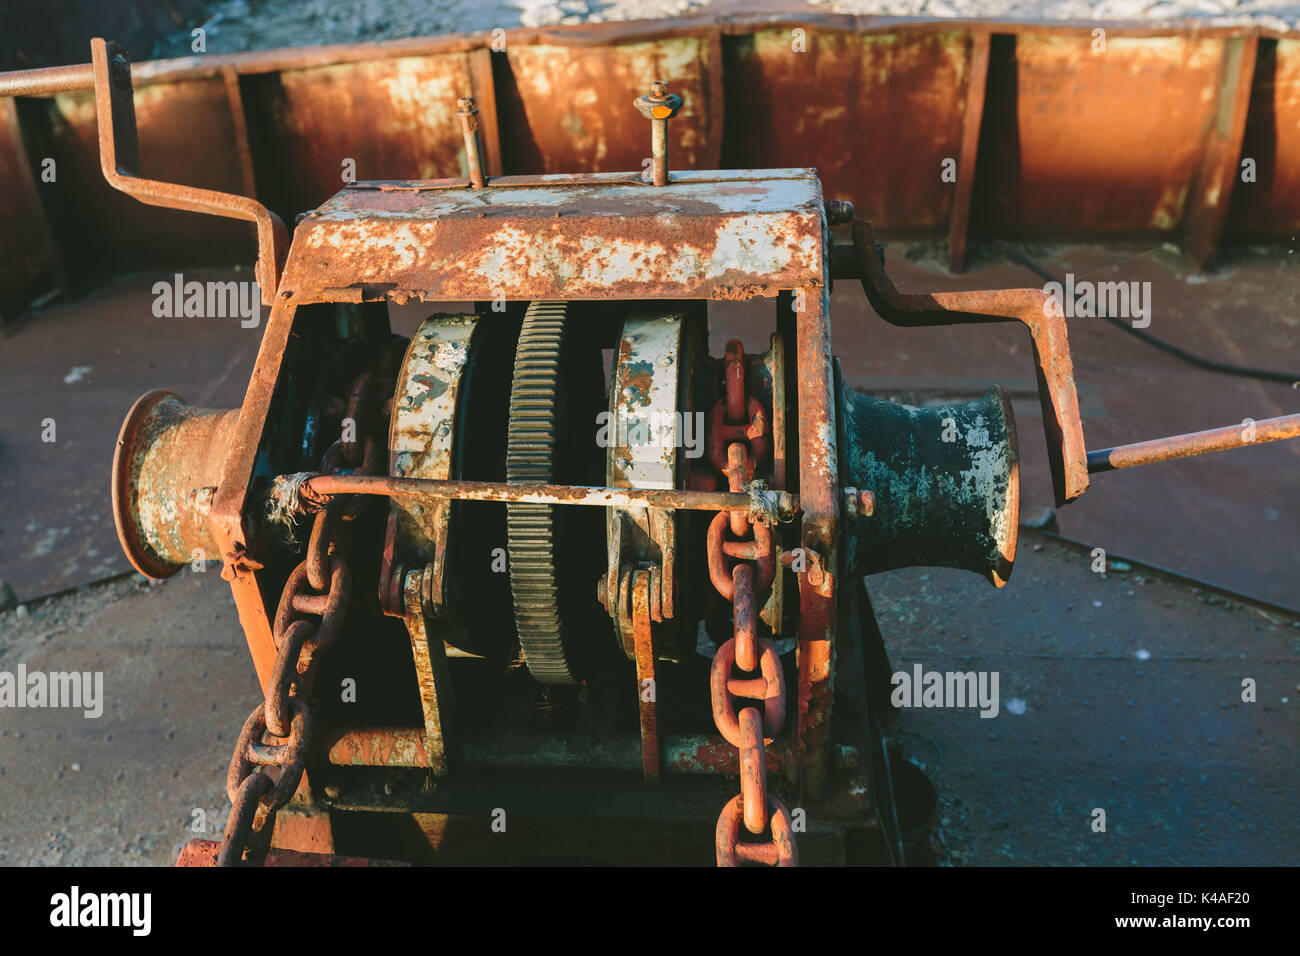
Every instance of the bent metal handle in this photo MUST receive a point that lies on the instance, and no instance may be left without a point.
(1032, 307)
(1071, 462)
(119, 158)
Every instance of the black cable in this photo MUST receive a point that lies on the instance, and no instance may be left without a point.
(1224, 368)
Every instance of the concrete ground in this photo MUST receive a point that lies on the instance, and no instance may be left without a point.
(1130, 685)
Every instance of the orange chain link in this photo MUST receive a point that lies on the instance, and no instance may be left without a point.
(740, 420)
(319, 587)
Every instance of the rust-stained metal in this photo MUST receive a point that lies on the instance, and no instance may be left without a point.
(166, 469)
(47, 81)
(779, 851)
(431, 674)
(690, 755)
(119, 155)
(321, 115)
(1220, 162)
(753, 770)
(647, 426)
(239, 124)
(321, 487)
(821, 486)
(659, 106)
(584, 129)
(1048, 85)
(751, 729)
(28, 254)
(646, 686)
(714, 235)
(944, 480)
(233, 494)
(300, 642)
(758, 550)
(468, 114)
(963, 189)
(910, 82)
(422, 440)
(769, 688)
(819, 497)
(1228, 437)
(205, 853)
(1268, 208)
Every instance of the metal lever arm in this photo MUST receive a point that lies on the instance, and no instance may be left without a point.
(119, 158)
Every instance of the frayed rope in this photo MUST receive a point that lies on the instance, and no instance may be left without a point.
(765, 505)
(287, 501)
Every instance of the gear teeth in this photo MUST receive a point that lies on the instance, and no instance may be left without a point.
(530, 528)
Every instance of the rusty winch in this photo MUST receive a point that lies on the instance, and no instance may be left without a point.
(536, 537)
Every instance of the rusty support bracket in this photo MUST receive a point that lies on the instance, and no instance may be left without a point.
(1207, 206)
(1035, 309)
(646, 688)
(430, 670)
(959, 222)
(119, 158)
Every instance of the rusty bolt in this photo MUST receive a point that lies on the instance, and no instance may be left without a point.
(858, 503)
(468, 114)
(838, 211)
(659, 106)
(238, 561)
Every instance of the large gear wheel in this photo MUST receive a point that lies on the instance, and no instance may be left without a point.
(530, 458)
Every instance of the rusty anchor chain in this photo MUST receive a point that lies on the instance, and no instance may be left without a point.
(319, 587)
(739, 420)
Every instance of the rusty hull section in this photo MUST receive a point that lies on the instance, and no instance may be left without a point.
(1052, 137)
(559, 116)
(876, 113)
(404, 105)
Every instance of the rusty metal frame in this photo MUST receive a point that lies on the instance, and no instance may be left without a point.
(1207, 210)
(547, 213)
(595, 236)
(819, 497)
(976, 88)
(689, 754)
(646, 686)
(231, 499)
